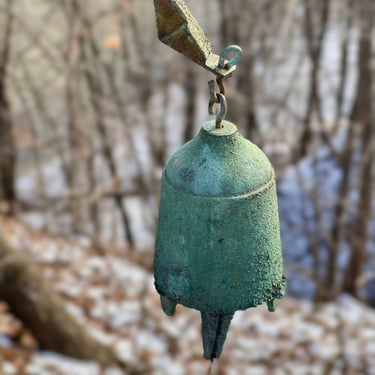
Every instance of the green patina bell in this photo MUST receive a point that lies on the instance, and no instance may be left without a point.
(218, 244)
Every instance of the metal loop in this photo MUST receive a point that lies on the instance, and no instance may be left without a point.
(220, 116)
(222, 112)
(223, 63)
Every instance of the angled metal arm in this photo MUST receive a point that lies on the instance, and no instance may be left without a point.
(178, 29)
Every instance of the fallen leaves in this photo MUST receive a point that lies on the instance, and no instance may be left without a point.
(113, 294)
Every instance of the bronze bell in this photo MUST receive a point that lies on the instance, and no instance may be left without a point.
(218, 246)
(218, 241)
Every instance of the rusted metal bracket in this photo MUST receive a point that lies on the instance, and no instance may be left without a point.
(178, 29)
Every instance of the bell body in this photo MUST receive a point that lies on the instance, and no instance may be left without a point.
(218, 245)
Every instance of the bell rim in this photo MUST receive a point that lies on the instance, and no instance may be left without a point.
(276, 292)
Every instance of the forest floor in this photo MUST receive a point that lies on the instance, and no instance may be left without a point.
(111, 292)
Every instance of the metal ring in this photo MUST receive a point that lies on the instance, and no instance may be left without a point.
(211, 107)
(223, 63)
(211, 104)
(222, 112)
(220, 116)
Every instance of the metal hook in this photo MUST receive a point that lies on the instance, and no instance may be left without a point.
(217, 98)
(223, 63)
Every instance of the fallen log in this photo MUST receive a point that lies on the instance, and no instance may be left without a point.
(41, 309)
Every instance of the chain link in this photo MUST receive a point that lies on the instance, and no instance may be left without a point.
(217, 98)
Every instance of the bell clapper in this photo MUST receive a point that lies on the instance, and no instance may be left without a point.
(214, 332)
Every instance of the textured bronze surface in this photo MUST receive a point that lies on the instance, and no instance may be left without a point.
(218, 245)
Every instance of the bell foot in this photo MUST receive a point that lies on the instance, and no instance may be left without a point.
(169, 307)
(272, 304)
(214, 332)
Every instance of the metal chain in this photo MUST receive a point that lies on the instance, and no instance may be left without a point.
(219, 97)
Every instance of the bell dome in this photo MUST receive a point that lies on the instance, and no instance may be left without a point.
(219, 162)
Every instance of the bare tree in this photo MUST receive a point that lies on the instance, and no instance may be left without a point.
(7, 150)
(363, 116)
(239, 20)
(314, 32)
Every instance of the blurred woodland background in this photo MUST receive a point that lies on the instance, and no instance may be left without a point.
(92, 105)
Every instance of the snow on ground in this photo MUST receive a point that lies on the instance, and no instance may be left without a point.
(112, 293)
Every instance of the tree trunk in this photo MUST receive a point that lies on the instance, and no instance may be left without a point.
(7, 151)
(231, 30)
(363, 116)
(314, 48)
(90, 56)
(191, 93)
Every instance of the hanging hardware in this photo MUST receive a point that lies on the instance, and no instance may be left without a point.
(178, 29)
(219, 98)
